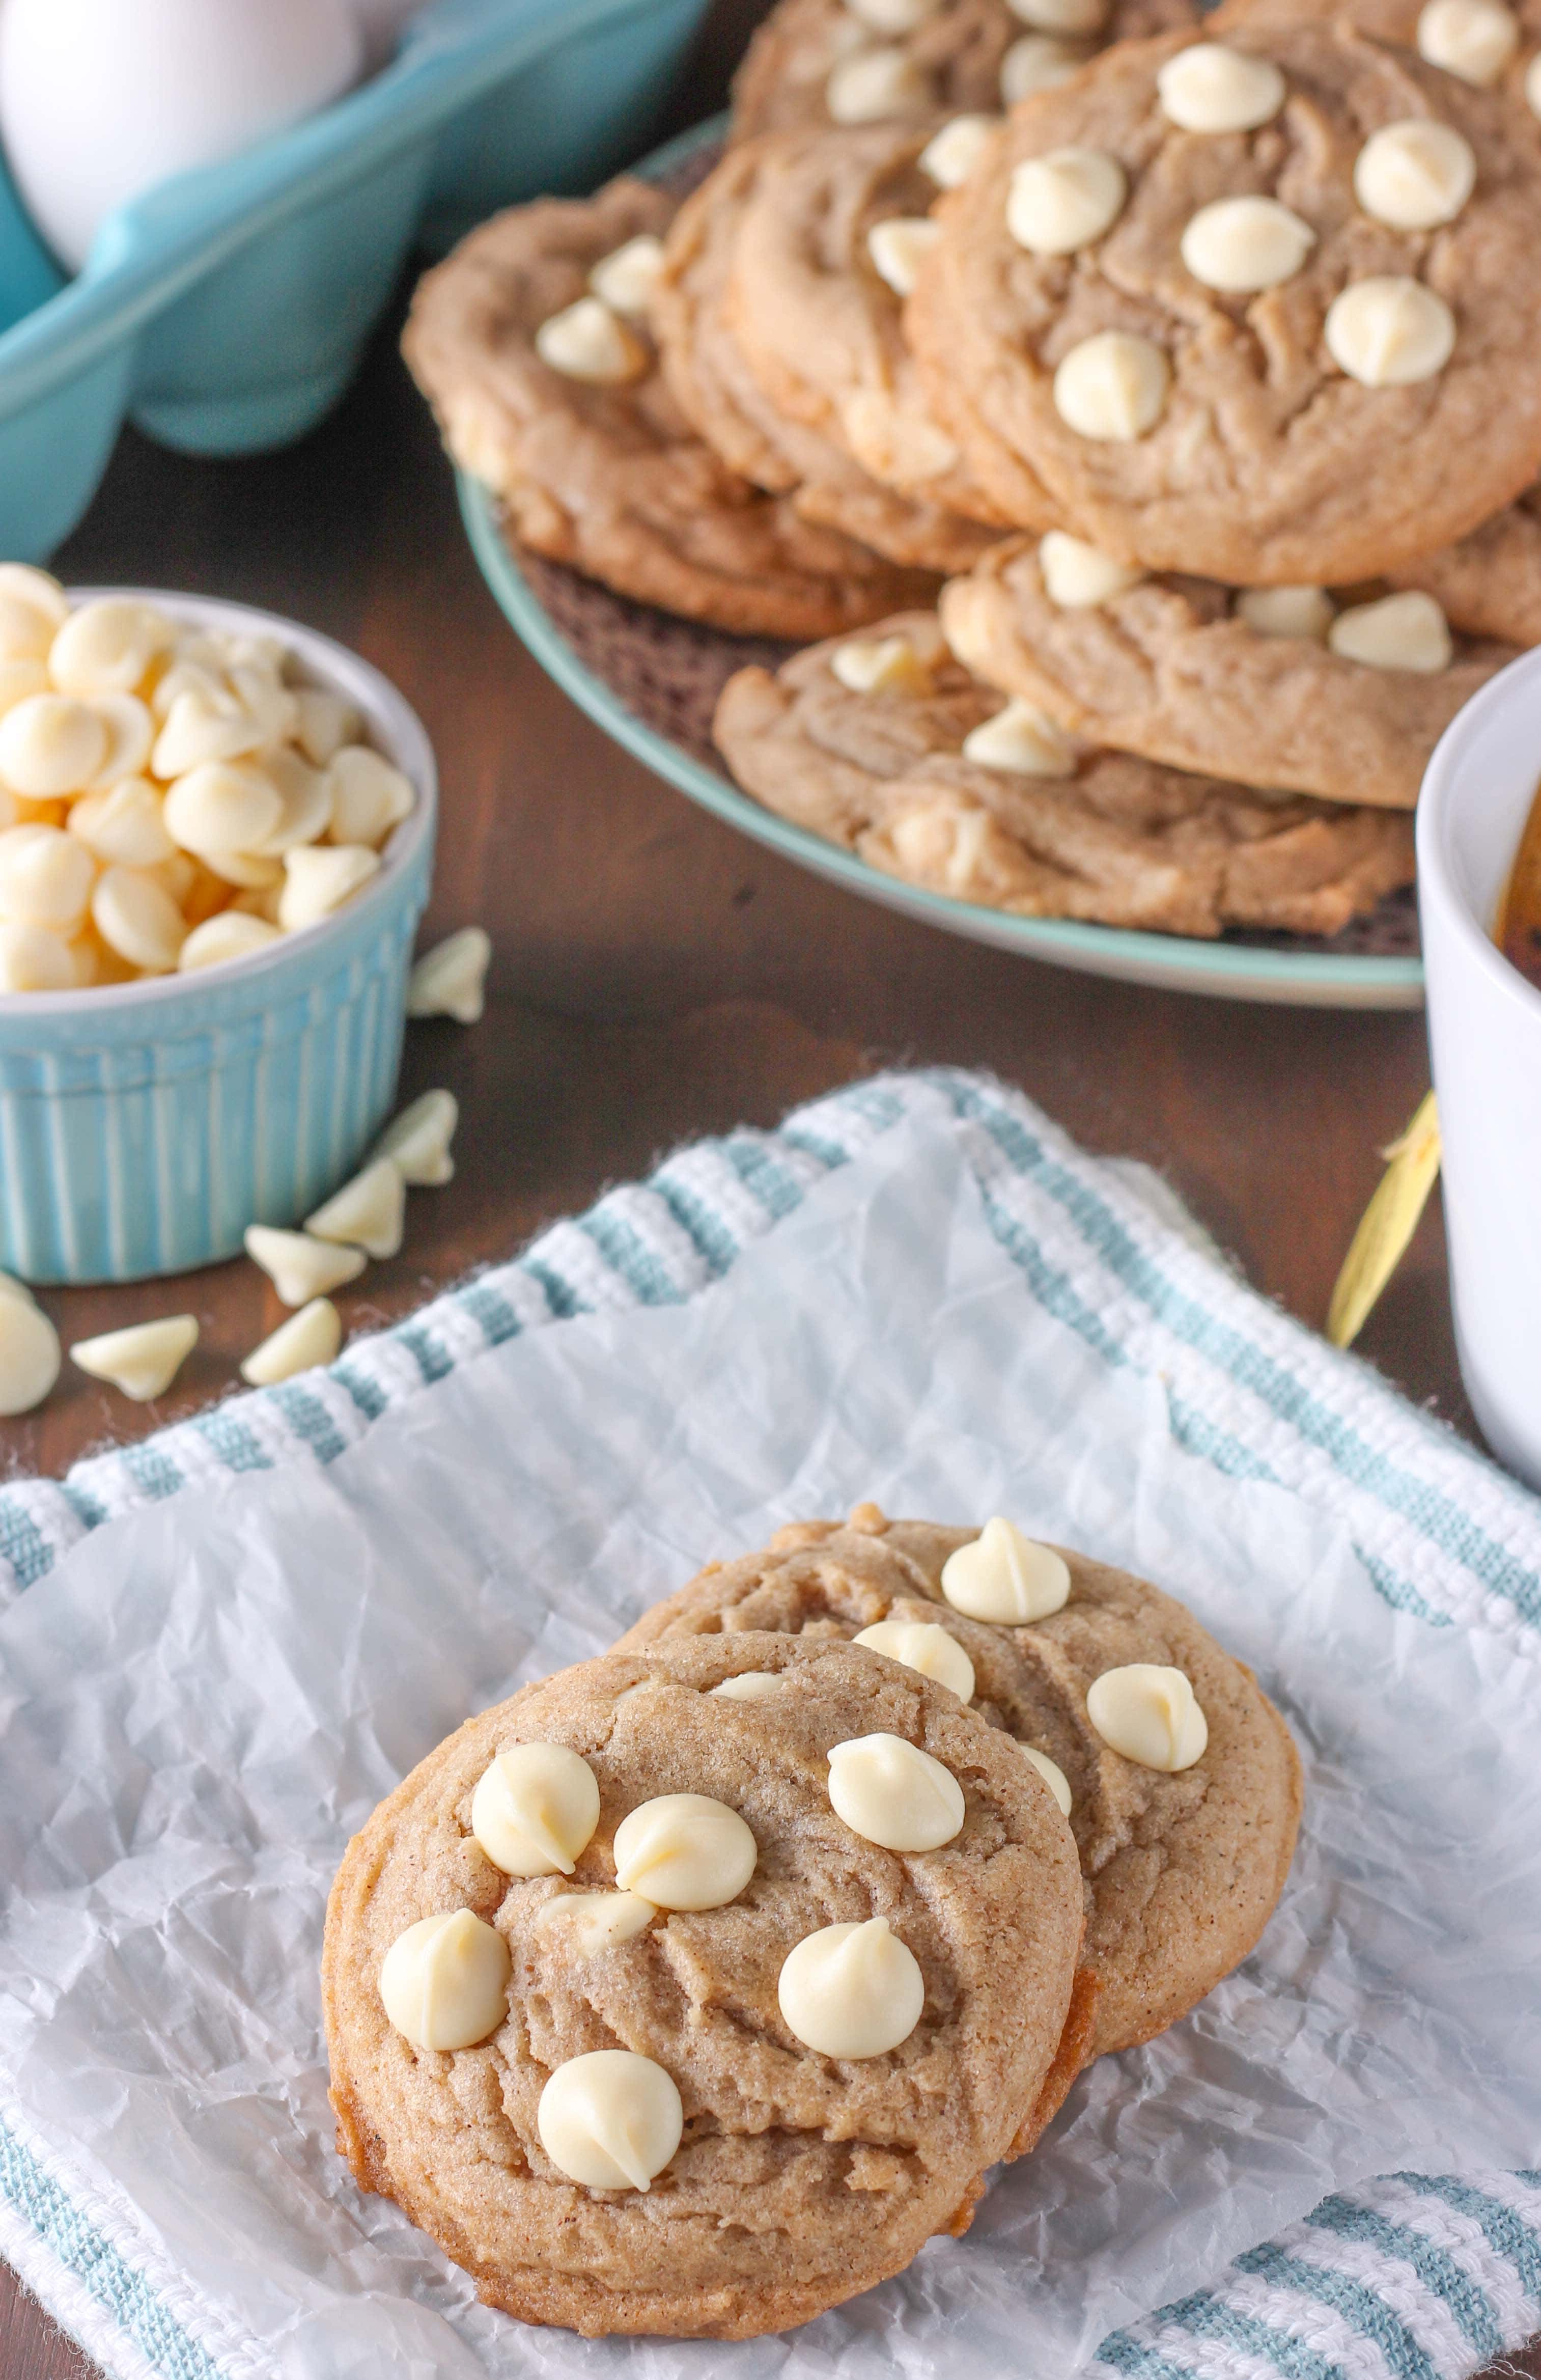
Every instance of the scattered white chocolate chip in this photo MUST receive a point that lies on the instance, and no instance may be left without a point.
(310, 1338)
(749, 1686)
(1399, 632)
(1038, 61)
(324, 722)
(890, 1792)
(1078, 19)
(610, 2119)
(1006, 1578)
(587, 1922)
(1246, 244)
(143, 1360)
(418, 1141)
(34, 958)
(952, 154)
(1064, 200)
(220, 940)
(51, 744)
(1052, 1774)
(369, 796)
(444, 1982)
(921, 1644)
(1112, 385)
(626, 279)
(852, 1991)
(1077, 575)
(302, 1268)
(587, 342)
(1150, 1715)
(893, 17)
(1209, 88)
(30, 1355)
(1472, 39)
(450, 979)
(873, 85)
(107, 645)
(898, 249)
(882, 665)
(535, 1810)
(1386, 333)
(685, 1851)
(1287, 611)
(45, 877)
(318, 881)
(1022, 740)
(369, 1212)
(1415, 174)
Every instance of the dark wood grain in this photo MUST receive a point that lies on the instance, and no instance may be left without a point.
(656, 977)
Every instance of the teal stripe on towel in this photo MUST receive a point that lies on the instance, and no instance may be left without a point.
(1438, 2270)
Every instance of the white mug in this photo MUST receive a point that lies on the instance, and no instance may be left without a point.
(1485, 1032)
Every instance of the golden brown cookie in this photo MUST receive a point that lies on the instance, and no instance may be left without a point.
(1171, 669)
(695, 314)
(885, 772)
(1491, 43)
(610, 476)
(801, 2178)
(1489, 583)
(1184, 1869)
(1205, 347)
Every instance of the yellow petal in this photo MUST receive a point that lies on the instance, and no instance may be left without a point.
(1386, 1225)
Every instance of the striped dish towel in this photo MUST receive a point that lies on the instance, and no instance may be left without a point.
(1410, 2278)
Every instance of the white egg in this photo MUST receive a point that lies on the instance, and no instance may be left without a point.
(101, 99)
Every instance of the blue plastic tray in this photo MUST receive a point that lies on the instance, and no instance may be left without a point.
(225, 311)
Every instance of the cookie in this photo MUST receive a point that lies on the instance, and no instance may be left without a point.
(1489, 583)
(1184, 1867)
(822, 62)
(695, 316)
(1206, 343)
(606, 474)
(763, 2179)
(1174, 669)
(1486, 43)
(1048, 828)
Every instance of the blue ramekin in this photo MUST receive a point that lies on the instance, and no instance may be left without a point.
(143, 1126)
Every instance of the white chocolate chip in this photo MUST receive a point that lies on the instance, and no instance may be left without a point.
(307, 1341)
(872, 86)
(610, 2119)
(892, 440)
(1415, 174)
(222, 807)
(1287, 611)
(418, 1141)
(107, 645)
(369, 796)
(882, 665)
(300, 1266)
(19, 680)
(33, 609)
(583, 1923)
(321, 880)
(1052, 1774)
(749, 1686)
(893, 16)
(1246, 244)
(685, 1851)
(1065, 200)
(451, 978)
(1077, 575)
(920, 1644)
(1399, 632)
(51, 744)
(1385, 333)
(139, 919)
(898, 249)
(626, 279)
(1112, 385)
(535, 1810)
(444, 1982)
(130, 734)
(952, 154)
(1006, 1578)
(1209, 88)
(852, 1991)
(200, 729)
(34, 958)
(323, 723)
(244, 867)
(1149, 1715)
(45, 878)
(368, 1212)
(1038, 61)
(30, 1357)
(1079, 18)
(142, 1361)
(1532, 85)
(1472, 39)
(890, 1792)
(306, 798)
(586, 342)
(1022, 740)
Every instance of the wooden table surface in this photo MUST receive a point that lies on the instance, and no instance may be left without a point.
(655, 977)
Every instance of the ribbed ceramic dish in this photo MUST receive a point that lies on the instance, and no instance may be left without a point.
(144, 1126)
(226, 311)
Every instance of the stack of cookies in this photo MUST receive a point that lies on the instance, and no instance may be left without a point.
(1136, 424)
(693, 1989)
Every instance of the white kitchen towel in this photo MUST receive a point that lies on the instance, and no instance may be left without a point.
(233, 1639)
